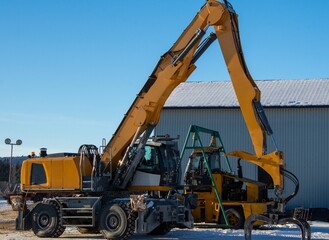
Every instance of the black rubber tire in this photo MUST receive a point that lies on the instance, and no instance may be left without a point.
(116, 222)
(46, 221)
(235, 218)
(88, 230)
(162, 229)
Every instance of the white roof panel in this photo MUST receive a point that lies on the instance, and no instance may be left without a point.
(274, 93)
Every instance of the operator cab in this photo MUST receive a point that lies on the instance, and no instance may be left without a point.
(233, 187)
(197, 176)
(158, 167)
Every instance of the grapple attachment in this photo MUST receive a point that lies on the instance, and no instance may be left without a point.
(277, 219)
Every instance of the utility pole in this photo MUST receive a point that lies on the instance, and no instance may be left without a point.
(8, 142)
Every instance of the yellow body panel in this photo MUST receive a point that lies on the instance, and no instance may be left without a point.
(57, 173)
(72, 180)
(254, 208)
(272, 163)
(208, 209)
(61, 173)
(252, 192)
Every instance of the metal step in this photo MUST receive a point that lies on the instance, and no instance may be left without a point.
(77, 217)
(87, 184)
(180, 213)
(80, 209)
(78, 225)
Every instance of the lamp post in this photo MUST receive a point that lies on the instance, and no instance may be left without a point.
(8, 141)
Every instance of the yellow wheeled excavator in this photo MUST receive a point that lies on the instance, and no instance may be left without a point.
(102, 192)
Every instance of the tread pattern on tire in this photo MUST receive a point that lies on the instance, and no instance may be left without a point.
(239, 214)
(59, 228)
(131, 216)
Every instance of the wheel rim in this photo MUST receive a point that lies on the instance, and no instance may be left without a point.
(113, 221)
(232, 219)
(44, 220)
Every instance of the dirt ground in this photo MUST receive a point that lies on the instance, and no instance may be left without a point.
(7, 220)
(8, 231)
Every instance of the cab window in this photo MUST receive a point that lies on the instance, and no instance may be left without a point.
(38, 175)
(150, 162)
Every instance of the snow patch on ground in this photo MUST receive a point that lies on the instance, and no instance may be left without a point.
(4, 205)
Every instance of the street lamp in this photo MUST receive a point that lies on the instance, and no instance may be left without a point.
(8, 141)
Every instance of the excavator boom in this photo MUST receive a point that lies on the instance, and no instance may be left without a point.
(174, 67)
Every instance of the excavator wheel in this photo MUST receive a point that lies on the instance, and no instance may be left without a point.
(162, 229)
(235, 218)
(46, 221)
(117, 222)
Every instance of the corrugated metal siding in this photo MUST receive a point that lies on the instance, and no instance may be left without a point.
(301, 133)
(275, 93)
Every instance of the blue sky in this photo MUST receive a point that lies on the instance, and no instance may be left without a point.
(70, 69)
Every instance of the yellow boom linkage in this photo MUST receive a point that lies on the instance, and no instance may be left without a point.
(174, 67)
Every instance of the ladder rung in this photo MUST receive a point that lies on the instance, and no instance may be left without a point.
(78, 225)
(72, 217)
(76, 209)
(77, 198)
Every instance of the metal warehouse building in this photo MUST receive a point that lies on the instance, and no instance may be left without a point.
(298, 111)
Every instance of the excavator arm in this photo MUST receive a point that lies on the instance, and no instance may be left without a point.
(174, 67)
(248, 95)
